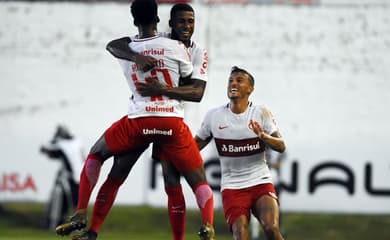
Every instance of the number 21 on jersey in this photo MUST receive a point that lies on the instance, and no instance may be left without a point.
(159, 74)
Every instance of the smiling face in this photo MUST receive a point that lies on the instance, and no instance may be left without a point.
(183, 24)
(239, 86)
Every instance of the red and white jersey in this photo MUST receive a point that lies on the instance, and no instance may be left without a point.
(173, 62)
(199, 57)
(241, 152)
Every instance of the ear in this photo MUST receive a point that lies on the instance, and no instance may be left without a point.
(135, 23)
(250, 90)
(170, 23)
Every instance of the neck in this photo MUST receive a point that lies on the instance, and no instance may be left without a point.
(237, 106)
(187, 43)
(147, 31)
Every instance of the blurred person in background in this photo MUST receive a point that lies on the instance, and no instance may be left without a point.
(182, 23)
(155, 116)
(242, 132)
(69, 151)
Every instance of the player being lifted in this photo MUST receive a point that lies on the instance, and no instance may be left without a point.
(182, 23)
(152, 119)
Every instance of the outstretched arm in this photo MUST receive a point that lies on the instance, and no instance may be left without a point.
(193, 91)
(119, 48)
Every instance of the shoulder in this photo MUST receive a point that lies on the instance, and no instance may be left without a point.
(169, 45)
(261, 110)
(259, 107)
(222, 109)
(265, 114)
(173, 42)
(196, 48)
(164, 34)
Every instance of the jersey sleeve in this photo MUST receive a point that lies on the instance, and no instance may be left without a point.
(199, 59)
(205, 129)
(185, 64)
(125, 65)
(269, 123)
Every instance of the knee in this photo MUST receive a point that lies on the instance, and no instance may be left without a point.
(271, 230)
(100, 149)
(240, 231)
(203, 194)
(171, 181)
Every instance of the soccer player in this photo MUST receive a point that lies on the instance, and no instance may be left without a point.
(182, 23)
(242, 132)
(156, 118)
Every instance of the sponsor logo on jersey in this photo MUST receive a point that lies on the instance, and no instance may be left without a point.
(157, 132)
(239, 148)
(159, 109)
(222, 127)
(153, 51)
(204, 63)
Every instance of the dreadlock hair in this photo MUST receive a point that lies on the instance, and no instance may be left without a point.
(144, 12)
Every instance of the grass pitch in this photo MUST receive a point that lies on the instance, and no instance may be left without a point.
(23, 221)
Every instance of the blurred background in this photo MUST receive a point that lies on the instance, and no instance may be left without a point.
(321, 66)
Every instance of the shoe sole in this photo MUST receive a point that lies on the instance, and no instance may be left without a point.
(67, 228)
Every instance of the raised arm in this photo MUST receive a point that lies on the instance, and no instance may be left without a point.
(119, 48)
(274, 141)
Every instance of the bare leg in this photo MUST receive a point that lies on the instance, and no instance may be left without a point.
(240, 228)
(266, 211)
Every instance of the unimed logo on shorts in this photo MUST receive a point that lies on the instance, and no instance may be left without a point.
(159, 109)
(157, 132)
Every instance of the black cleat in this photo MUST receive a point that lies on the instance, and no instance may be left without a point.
(76, 222)
(206, 232)
(85, 235)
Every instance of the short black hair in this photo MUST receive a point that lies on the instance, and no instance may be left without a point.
(237, 69)
(179, 7)
(144, 12)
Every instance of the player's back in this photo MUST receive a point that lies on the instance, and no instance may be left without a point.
(173, 62)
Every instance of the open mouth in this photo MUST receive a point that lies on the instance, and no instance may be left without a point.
(186, 34)
(233, 90)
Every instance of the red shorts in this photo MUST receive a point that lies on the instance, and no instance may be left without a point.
(171, 134)
(237, 202)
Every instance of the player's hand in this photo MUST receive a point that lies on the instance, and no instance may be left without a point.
(145, 62)
(152, 88)
(256, 128)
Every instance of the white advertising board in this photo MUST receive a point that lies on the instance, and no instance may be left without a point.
(322, 71)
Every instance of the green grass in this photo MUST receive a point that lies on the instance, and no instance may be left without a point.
(23, 221)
